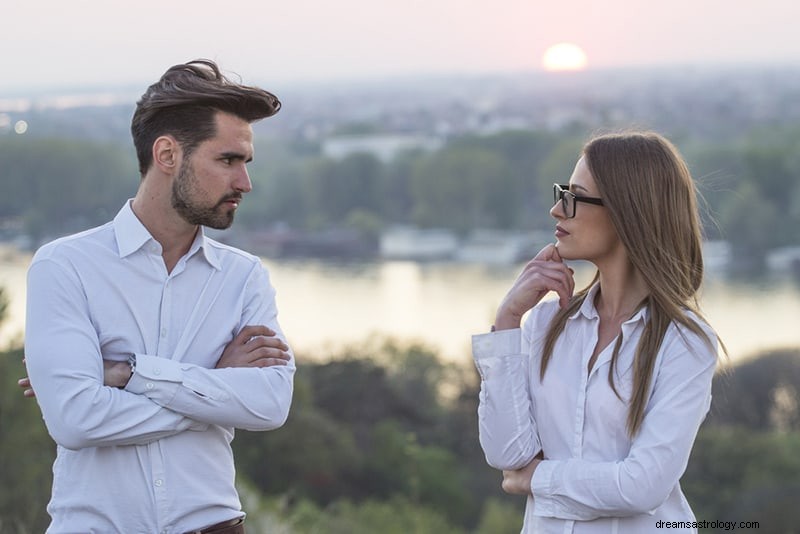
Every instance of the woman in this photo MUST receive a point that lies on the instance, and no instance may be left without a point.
(592, 407)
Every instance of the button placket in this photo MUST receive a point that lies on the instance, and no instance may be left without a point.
(164, 315)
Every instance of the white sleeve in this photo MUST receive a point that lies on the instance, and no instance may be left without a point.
(641, 482)
(507, 429)
(65, 366)
(248, 398)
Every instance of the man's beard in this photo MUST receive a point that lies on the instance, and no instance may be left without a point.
(217, 217)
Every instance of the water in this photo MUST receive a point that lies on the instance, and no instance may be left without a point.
(325, 307)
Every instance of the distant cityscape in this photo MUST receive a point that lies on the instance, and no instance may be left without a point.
(384, 118)
(425, 111)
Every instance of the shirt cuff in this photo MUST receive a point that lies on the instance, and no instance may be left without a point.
(500, 343)
(494, 353)
(543, 483)
(155, 377)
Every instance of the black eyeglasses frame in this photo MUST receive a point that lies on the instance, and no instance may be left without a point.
(560, 194)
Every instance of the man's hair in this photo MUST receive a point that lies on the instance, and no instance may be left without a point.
(184, 102)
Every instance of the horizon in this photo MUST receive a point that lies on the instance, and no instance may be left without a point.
(37, 90)
(91, 43)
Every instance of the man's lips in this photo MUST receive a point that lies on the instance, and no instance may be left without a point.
(234, 201)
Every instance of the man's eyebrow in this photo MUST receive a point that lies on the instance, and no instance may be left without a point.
(236, 155)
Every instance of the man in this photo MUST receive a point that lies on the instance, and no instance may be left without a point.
(147, 343)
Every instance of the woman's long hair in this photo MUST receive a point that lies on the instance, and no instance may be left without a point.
(651, 198)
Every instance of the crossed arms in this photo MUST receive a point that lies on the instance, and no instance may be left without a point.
(79, 391)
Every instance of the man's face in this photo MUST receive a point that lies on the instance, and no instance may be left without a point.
(212, 180)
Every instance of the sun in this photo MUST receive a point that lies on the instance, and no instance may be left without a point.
(564, 56)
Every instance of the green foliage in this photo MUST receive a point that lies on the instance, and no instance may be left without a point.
(745, 465)
(26, 454)
(3, 304)
(385, 426)
(382, 437)
(57, 186)
(760, 394)
(751, 185)
(501, 517)
(457, 188)
(738, 474)
(395, 516)
(502, 181)
(339, 187)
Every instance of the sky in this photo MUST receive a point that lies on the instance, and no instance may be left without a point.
(82, 43)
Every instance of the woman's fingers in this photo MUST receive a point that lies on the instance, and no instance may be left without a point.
(548, 276)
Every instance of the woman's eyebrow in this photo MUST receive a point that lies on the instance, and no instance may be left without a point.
(578, 186)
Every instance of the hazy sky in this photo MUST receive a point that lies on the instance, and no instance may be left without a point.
(88, 42)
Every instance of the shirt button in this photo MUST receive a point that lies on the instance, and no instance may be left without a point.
(149, 385)
(163, 332)
(159, 483)
(156, 371)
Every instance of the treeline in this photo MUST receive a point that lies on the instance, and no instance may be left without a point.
(382, 437)
(751, 188)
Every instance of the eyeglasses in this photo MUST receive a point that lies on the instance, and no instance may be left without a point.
(569, 200)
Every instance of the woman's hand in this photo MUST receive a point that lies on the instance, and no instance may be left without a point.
(518, 482)
(544, 273)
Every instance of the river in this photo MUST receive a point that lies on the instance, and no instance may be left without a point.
(325, 307)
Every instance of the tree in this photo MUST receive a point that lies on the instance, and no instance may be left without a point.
(58, 186)
(736, 473)
(26, 454)
(459, 188)
(760, 394)
(3, 304)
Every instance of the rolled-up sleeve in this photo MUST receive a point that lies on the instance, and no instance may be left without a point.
(507, 429)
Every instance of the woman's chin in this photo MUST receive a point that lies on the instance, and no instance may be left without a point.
(564, 251)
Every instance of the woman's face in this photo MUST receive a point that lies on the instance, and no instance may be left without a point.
(589, 235)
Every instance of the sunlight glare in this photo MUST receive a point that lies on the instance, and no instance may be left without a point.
(564, 56)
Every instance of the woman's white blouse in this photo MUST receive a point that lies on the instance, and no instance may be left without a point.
(594, 478)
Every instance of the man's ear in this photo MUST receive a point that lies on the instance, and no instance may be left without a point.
(166, 154)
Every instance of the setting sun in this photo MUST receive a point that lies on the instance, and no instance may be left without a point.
(564, 56)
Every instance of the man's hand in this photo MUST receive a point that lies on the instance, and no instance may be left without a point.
(116, 374)
(519, 482)
(255, 346)
(25, 384)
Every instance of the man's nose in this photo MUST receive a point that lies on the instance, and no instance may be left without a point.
(242, 181)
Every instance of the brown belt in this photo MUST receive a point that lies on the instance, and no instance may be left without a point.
(232, 526)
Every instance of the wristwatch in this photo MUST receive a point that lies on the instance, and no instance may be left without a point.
(132, 363)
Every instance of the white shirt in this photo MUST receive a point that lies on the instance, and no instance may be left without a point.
(594, 478)
(156, 456)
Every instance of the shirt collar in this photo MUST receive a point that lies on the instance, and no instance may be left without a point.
(130, 232)
(203, 244)
(589, 311)
(132, 235)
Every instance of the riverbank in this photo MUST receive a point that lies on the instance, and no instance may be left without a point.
(441, 304)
